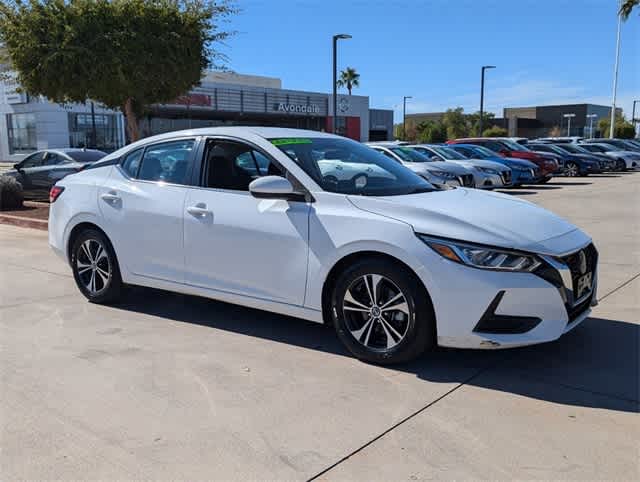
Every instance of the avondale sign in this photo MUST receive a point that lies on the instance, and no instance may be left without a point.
(298, 108)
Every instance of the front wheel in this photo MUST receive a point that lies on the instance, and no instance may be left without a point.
(95, 267)
(382, 313)
(572, 170)
(621, 165)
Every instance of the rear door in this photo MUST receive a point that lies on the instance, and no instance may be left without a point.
(30, 169)
(142, 205)
(239, 244)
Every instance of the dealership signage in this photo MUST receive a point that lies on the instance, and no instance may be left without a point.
(297, 108)
(12, 92)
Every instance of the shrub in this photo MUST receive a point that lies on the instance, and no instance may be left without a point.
(495, 131)
(10, 193)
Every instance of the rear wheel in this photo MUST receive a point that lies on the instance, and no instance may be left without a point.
(95, 267)
(381, 312)
(621, 165)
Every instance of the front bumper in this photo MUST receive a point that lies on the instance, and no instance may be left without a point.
(531, 308)
(525, 176)
(485, 180)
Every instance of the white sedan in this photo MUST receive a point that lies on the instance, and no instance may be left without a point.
(246, 215)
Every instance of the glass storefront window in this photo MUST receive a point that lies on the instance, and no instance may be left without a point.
(21, 132)
(107, 132)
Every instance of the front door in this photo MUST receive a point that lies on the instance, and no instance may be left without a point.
(239, 244)
(142, 205)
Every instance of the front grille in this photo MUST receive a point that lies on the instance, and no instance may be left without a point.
(578, 267)
(467, 180)
(506, 177)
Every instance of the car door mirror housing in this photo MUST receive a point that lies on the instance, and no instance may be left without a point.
(274, 187)
(17, 166)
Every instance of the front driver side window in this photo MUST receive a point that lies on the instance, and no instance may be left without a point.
(233, 165)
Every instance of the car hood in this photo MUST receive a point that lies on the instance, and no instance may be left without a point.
(517, 163)
(446, 167)
(471, 163)
(481, 217)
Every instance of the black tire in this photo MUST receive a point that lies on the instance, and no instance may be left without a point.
(417, 326)
(621, 165)
(544, 180)
(85, 250)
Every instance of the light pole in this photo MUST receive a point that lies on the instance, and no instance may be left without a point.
(484, 67)
(342, 36)
(568, 117)
(615, 75)
(591, 117)
(633, 113)
(404, 116)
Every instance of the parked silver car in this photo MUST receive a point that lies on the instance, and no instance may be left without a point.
(488, 174)
(436, 172)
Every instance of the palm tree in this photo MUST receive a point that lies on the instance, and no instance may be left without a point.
(627, 6)
(349, 78)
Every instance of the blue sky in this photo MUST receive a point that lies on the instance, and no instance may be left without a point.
(546, 51)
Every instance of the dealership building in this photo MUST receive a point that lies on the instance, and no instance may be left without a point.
(29, 123)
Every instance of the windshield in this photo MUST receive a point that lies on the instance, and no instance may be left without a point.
(86, 156)
(595, 148)
(480, 152)
(408, 154)
(572, 149)
(348, 167)
(449, 153)
(548, 147)
(514, 146)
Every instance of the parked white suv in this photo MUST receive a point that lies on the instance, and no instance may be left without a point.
(246, 215)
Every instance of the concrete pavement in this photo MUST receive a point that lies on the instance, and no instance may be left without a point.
(166, 386)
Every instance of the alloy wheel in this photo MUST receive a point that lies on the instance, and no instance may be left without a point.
(572, 170)
(376, 312)
(93, 266)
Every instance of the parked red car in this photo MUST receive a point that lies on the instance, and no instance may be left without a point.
(509, 148)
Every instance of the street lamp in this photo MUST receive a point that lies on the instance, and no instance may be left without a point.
(568, 117)
(591, 117)
(404, 116)
(342, 36)
(633, 113)
(484, 67)
(615, 75)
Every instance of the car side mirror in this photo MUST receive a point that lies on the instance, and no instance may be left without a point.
(274, 187)
(17, 166)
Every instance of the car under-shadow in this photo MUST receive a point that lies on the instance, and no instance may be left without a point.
(516, 192)
(596, 365)
(569, 183)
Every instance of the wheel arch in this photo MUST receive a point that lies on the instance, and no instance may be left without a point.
(77, 230)
(342, 263)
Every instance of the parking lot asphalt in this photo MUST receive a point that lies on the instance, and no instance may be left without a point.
(165, 386)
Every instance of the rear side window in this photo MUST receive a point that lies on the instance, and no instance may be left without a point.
(167, 162)
(131, 162)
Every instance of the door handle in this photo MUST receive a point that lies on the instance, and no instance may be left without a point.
(199, 210)
(110, 197)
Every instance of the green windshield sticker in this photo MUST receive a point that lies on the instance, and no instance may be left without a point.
(287, 142)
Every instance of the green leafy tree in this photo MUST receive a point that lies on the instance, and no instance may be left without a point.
(473, 121)
(495, 131)
(622, 128)
(349, 78)
(627, 7)
(125, 54)
(431, 132)
(455, 122)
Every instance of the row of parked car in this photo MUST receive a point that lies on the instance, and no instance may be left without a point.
(489, 163)
(485, 163)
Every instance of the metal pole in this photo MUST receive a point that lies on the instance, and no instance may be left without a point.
(94, 134)
(335, 84)
(615, 76)
(591, 128)
(633, 113)
(481, 101)
(568, 126)
(404, 118)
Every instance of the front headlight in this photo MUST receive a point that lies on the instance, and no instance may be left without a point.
(482, 257)
(444, 175)
(487, 170)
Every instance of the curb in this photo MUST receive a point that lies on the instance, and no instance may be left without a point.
(24, 222)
